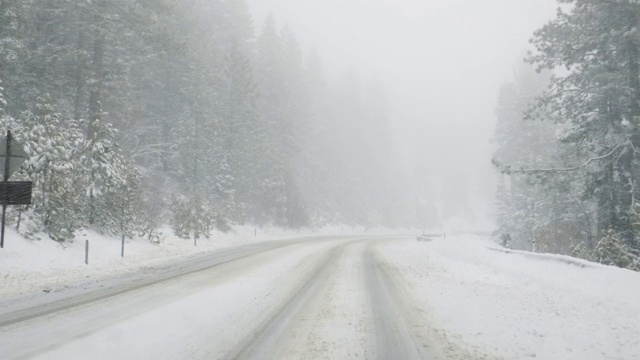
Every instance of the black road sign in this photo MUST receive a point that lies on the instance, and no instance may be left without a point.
(17, 155)
(15, 193)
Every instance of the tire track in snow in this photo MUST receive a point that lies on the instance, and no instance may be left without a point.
(262, 342)
(393, 336)
(103, 313)
(166, 273)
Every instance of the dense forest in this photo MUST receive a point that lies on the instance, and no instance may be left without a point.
(568, 137)
(141, 113)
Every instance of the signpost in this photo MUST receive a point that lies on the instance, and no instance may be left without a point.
(15, 192)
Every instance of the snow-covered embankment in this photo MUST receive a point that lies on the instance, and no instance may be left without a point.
(518, 306)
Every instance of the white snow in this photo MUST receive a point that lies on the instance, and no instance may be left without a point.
(31, 266)
(517, 306)
(203, 325)
(462, 295)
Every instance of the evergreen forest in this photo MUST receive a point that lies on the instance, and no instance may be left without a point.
(136, 114)
(568, 137)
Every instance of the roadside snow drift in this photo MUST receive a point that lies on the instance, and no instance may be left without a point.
(324, 297)
(517, 306)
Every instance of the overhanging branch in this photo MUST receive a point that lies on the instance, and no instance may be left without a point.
(506, 169)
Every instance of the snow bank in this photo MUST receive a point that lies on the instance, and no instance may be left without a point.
(520, 307)
(548, 257)
(28, 266)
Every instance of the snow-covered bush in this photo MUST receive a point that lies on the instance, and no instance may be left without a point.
(611, 251)
(505, 240)
(582, 251)
(192, 217)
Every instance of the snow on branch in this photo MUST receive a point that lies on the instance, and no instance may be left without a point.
(506, 169)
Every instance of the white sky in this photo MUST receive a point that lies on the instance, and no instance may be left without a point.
(442, 62)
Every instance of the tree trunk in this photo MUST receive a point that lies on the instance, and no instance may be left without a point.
(81, 66)
(98, 73)
(168, 111)
(628, 168)
(606, 203)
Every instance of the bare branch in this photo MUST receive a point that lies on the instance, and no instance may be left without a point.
(507, 169)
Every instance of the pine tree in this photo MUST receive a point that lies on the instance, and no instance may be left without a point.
(52, 145)
(274, 105)
(130, 102)
(598, 101)
(241, 128)
(611, 251)
(106, 173)
(532, 207)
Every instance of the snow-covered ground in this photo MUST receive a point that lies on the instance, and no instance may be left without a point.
(520, 305)
(342, 297)
(31, 266)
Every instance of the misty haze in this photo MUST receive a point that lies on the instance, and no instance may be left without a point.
(335, 179)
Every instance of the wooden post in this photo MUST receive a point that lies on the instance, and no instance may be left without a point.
(7, 157)
(7, 162)
(122, 225)
(86, 252)
(4, 217)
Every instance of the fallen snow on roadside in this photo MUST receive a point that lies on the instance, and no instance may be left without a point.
(36, 266)
(520, 307)
(209, 313)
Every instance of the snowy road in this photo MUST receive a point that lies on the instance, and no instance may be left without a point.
(321, 298)
(373, 297)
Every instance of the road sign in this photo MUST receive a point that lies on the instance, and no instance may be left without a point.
(15, 193)
(17, 155)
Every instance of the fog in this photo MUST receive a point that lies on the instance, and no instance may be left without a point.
(441, 63)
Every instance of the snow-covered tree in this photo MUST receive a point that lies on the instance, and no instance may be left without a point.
(126, 104)
(534, 207)
(105, 171)
(598, 100)
(51, 144)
